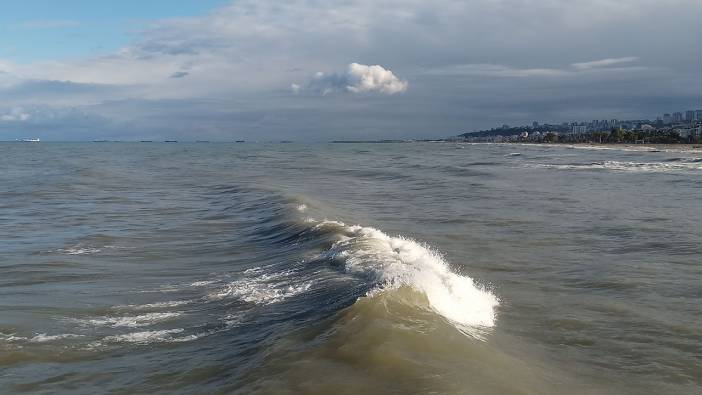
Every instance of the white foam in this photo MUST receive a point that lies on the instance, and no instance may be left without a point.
(398, 261)
(37, 338)
(11, 337)
(79, 250)
(146, 337)
(158, 305)
(43, 337)
(629, 166)
(302, 208)
(634, 148)
(202, 283)
(261, 288)
(130, 321)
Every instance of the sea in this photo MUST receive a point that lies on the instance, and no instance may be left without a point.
(358, 268)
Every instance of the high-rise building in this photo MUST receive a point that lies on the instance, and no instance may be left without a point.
(677, 117)
(579, 129)
(535, 125)
(667, 119)
(698, 115)
(689, 116)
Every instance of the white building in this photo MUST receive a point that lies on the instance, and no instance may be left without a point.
(579, 129)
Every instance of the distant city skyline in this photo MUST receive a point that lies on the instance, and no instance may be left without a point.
(690, 116)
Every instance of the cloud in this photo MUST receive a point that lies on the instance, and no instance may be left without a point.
(179, 74)
(505, 71)
(495, 70)
(362, 79)
(604, 63)
(16, 114)
(358, 78)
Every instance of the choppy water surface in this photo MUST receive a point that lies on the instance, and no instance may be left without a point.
(349, 268)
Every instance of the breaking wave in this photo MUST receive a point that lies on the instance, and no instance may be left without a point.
(395, 262)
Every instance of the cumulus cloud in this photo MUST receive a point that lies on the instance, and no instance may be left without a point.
(358, 78)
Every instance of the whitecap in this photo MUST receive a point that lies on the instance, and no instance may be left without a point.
(202, 283)
(79, 250)
(147, 337)
(263, 289)
(130, 321)
(157, 305)
(643, 167)
(43, 337)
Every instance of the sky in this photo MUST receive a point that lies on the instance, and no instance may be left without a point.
(312, 70)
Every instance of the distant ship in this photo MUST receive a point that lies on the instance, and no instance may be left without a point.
(35, 140)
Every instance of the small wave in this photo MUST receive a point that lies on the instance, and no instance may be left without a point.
(37, 338)
(79, 250)
(130, 321)
(147, 337)
(629, 166)
(43, 337)
(157, 305)
(203, 283)
(263, 288)
(12, 337)
(393, 262)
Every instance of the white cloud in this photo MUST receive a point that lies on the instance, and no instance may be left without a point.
(363, 79)
(575, 69)
(604, 63)
(495, 70)
(358, 78)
